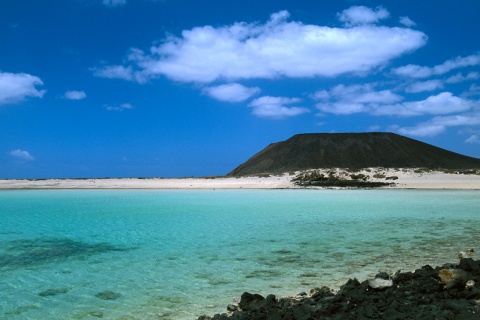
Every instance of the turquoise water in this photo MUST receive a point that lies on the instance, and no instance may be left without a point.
(180, 254)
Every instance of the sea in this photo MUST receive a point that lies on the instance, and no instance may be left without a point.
(179, 254)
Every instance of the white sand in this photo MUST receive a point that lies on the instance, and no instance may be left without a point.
(407, 179)
(273, 182)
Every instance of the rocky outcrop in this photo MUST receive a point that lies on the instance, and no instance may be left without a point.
(336, 178)
(448, 292)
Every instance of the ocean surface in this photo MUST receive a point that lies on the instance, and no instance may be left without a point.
(161, 254)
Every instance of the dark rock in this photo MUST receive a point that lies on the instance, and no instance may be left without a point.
(321, 293)
(350, 285)
(108, 295)
(402, 277)
(417, 295)
(458, 305)
(274, 316)
(470, 265)
(391, 178)
(424, 272)
(250, 301)
(302, 313)
(453, 278)
(382, 275)
(269, 303)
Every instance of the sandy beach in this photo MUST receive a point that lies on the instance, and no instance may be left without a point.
(407, 179)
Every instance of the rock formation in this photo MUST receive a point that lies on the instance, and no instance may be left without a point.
(448, 292)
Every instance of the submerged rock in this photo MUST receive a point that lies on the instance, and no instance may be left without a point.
(108, 295)
(52, 292)
(96, 314)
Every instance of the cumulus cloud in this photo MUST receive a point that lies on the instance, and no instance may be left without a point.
(439, 124)
(474, 90)
(114, 3)
(75, 95)
(345, 100)
(474, 139)
(443, 103)
(416, 71)
(406, 21)
(421, 86)
(15, 87)
(359, 15)
(277, 48)
(276, 107)
(354, 99)
(125, 106)
(460, 77)
(21, 154)
(423, 130)
(232, 92)
(115, 72)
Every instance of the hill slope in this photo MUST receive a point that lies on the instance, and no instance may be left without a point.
(351, 150)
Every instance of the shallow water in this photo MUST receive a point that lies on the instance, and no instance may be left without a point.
(134, 254)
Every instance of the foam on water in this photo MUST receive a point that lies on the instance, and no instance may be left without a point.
(124, 254)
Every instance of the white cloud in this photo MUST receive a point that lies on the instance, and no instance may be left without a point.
(425, 130)
(416, 71)
(439, 124)
(474, 90)
(114, 3)
(232, 92)
(443, 103)
(413, 71)
(360, 15)
(277, 48)
(354, 99)
(75, 95)
(342, 107)
(474, 139)
(114, 72)
(345, 100)
(21, 154)
(15, 87)
(125, 106)
(276, 107)
(460, 77)
(421, 86)
(406, 21)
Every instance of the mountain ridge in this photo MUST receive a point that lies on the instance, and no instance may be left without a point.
(350, 150)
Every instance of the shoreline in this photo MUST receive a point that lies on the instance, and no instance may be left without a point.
(449, 291)
(404, 179)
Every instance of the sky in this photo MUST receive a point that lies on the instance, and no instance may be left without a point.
(180, 88)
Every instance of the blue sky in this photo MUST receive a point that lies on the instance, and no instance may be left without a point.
(172, 88)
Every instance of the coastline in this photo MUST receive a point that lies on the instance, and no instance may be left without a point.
(406, 179)
(289, 264)
(450, 291)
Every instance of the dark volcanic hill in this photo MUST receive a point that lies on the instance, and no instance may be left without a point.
(351, 150)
